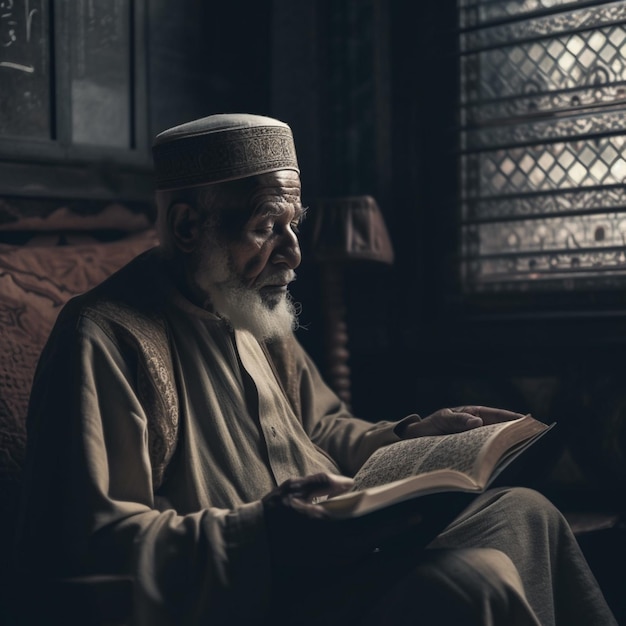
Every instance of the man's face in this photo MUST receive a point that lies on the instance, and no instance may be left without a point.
(245, 268)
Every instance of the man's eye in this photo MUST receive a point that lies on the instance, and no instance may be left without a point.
(264, 227)
(267, 227)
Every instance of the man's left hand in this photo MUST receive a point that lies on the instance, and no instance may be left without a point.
(456, 420)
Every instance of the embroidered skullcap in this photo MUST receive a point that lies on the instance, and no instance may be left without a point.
(222, 147)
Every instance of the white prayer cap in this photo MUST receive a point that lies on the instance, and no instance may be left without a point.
(222, 147)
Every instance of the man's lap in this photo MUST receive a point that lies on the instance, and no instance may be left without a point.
(399, 585)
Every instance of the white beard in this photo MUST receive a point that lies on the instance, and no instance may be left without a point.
(244, 309)
(241, 306)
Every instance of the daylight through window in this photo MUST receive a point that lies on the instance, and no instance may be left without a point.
(543, 144)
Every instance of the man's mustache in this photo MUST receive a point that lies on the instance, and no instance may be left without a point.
(282, 277)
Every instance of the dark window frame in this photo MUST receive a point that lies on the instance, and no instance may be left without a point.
(59, 168)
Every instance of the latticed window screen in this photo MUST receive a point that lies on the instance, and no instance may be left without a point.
(543, 144)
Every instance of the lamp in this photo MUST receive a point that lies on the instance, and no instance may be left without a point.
(344, 230)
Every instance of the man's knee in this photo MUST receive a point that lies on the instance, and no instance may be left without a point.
(482, 584)
(529, 498)
(527, 507)
(474, 571)
(509, 508)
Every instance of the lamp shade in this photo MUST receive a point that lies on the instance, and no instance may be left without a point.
(350, 228)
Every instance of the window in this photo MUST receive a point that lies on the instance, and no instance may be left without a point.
(73, 84)
(543, 145)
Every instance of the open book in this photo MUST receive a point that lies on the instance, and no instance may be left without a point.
(462, 462)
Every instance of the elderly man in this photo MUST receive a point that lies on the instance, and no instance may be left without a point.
(179, 433)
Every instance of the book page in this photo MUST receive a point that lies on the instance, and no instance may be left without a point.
(425, 454)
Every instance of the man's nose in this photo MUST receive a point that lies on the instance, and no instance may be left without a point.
(287, 250)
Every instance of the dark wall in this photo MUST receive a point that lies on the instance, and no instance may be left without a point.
(207, 57)
(370, 90)
(381, 80)
(561, 362)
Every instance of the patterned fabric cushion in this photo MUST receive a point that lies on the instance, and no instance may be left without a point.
(35, 281)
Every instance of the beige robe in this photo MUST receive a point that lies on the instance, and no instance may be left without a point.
(154, 431)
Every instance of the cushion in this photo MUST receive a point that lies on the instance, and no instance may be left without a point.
(48, 215)
(35, 282)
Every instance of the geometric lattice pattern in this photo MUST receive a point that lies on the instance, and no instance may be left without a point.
(543, 141)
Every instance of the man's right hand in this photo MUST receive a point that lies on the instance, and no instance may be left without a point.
(303, 534)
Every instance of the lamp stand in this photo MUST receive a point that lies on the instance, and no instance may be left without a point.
(336, 332)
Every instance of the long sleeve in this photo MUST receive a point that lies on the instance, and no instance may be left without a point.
(347, 439)
(89, 505)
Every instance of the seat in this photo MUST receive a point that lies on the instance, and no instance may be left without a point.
(37, 276)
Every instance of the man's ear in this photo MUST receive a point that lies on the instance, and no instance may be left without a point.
(184, 224)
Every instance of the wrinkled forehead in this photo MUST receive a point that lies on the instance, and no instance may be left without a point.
(276, 192)
(267, 194)
(261, 193)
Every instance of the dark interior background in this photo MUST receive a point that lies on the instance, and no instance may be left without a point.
(369, 88)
